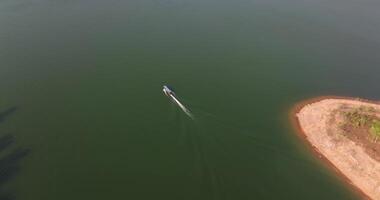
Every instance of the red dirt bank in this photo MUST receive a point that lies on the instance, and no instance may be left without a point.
(318, 122)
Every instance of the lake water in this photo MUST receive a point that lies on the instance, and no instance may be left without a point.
(83, 115)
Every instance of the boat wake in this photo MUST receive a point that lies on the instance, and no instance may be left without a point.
(183, 108)
(211, 139)
(168, 92)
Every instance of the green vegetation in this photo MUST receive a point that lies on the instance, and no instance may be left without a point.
(375, 130)
(357, 118)
(368, 109)
(363, 117)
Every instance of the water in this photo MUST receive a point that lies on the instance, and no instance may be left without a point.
(83, 81)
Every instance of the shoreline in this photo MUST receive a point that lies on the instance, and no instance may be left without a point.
(296, 125)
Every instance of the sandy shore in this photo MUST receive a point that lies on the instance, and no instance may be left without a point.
(313, 118)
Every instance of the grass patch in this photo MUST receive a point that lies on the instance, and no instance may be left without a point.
(368, 109)
(357, 118)
(363, 117)
(375, 130)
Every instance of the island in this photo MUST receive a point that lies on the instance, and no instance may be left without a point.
(344, 132)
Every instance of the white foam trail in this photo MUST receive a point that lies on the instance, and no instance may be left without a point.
(188, 113)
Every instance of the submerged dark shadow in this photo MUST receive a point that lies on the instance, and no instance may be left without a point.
(6, 141)
(9, 164)
(11, 157)
(6, 113)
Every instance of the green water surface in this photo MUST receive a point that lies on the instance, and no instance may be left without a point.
(82, 106)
